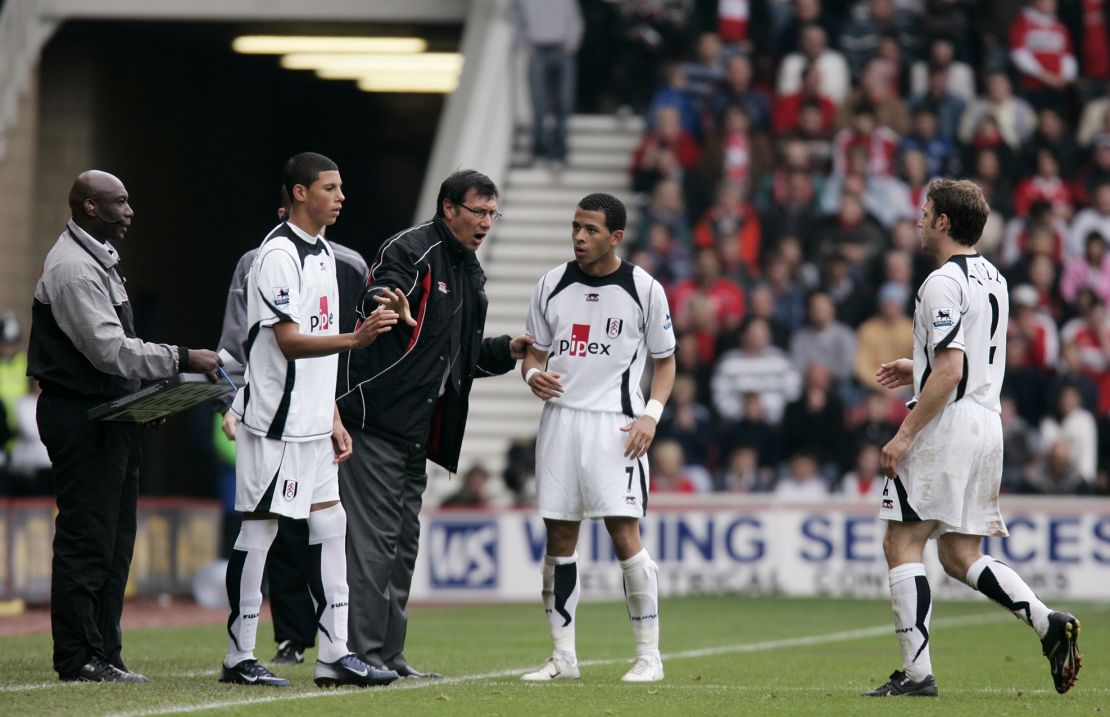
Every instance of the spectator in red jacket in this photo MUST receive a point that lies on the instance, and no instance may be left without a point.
(788, 108)
(1041, 49)
(668, 135)
(732, 226)
(1046, 185)
(864, 130)
(726, 296)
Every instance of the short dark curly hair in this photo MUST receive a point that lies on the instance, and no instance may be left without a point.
(305, 168)
(610, 206)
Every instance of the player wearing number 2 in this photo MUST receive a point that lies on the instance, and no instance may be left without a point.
(595, 320)
(944, 465)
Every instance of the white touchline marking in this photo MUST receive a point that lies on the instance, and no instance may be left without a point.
(842, 636)
(38, 686)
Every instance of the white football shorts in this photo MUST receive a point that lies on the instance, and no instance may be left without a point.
(951, 474)
(283, 477)
(581, 470)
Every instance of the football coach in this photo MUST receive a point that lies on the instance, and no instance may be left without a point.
(404, 399)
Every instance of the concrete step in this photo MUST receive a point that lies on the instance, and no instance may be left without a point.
(508, 428)
(543, 252)
(537, 232)
(624, 144)
(526, 410)
(521, 213)
(510, 291)
(560, 197)
(530, 213)
(580, 160)
(507, 387)
(507, 318)
(533, 232)
(631, 124)
(591, 180)
(512, 328)
(594, 124)
(518, 271)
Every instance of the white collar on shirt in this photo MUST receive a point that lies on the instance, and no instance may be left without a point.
(302, 233)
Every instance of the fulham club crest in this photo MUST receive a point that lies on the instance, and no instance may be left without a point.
(289, 492)
(613, 327)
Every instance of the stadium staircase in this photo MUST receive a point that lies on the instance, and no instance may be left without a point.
(534, 236)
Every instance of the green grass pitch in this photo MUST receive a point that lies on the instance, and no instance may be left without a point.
(722, 656)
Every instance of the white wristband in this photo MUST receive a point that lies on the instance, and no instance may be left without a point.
(528, 376)
(653, 409)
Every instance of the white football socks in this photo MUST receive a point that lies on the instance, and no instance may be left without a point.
(912, 602)
(1000, 583)
(561, 591)
(641, 590)
(244, 587)
(327, 540)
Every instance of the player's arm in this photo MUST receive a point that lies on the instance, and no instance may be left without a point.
(230, 424)
(943, 380)
(340, 438)
(295, 345)
(895, 374)
(641, 432)
(544, 385)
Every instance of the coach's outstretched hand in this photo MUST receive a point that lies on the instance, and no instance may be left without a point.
(396, 301)
(896, 373)
(376, 324)
(518, 347)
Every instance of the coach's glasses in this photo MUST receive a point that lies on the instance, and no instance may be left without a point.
(483, 213)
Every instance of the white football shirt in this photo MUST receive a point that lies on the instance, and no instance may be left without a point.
(964, 304)
(598, 332)
(292, 279)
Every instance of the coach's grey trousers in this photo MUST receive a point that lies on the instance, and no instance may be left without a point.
(381, 487)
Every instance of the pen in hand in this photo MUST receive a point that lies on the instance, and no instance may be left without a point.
(226, 377)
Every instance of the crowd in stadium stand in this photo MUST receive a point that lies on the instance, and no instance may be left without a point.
(788, 148)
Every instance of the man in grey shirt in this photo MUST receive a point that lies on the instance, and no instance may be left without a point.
(550, 31)
(84, 351)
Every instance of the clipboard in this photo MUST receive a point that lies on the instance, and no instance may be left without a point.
(163, 398)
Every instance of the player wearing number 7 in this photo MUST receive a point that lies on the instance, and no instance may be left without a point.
(944, 466)
(595, 320)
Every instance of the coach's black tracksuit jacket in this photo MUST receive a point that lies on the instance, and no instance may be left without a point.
(393, 387)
